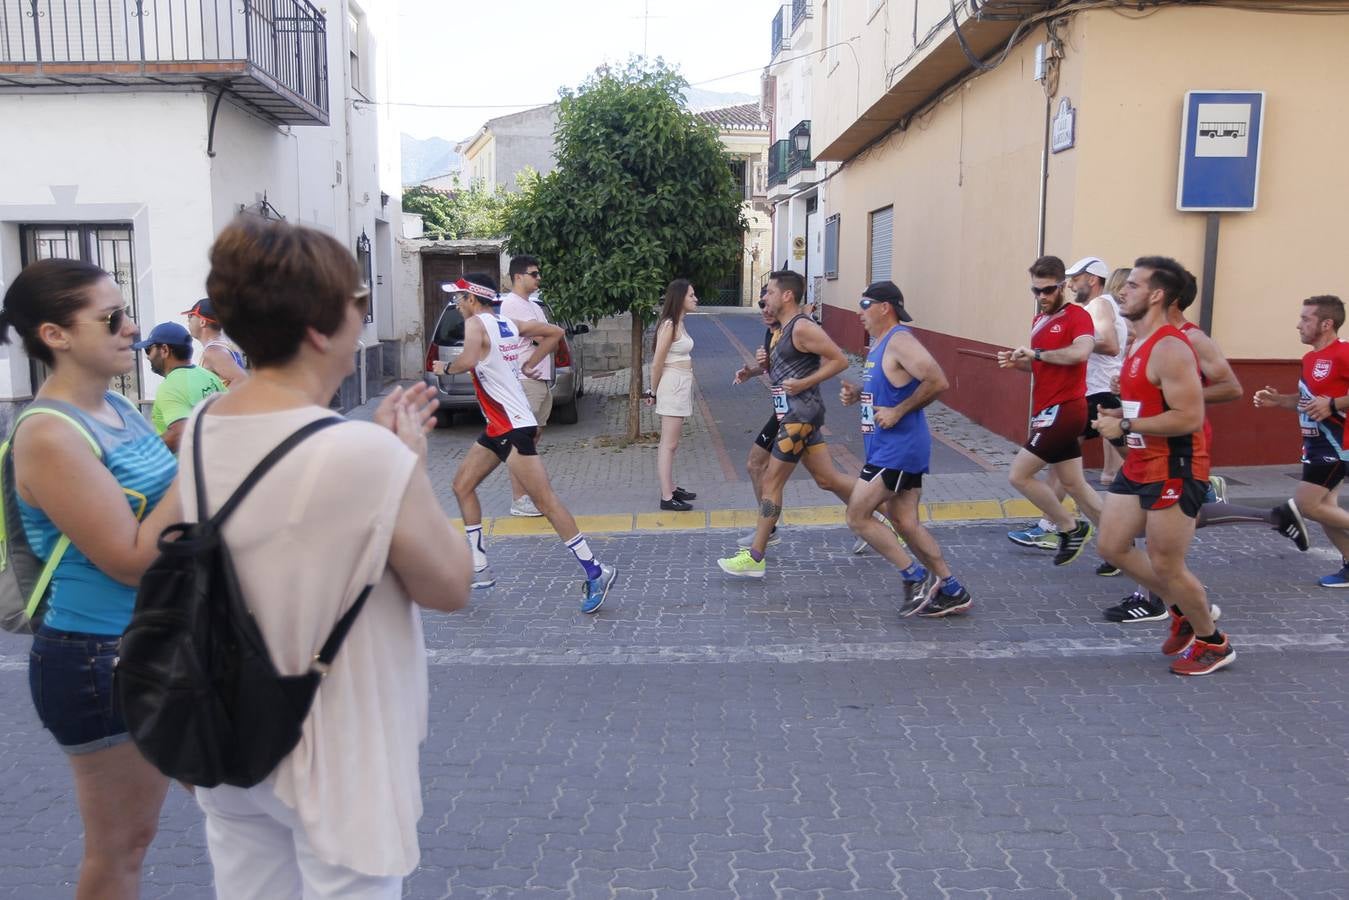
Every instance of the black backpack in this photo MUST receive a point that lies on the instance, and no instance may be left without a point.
(197, 687)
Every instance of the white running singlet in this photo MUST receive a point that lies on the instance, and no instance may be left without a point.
(497, 382)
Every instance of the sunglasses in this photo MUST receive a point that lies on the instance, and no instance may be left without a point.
(867, 302)
(535, 274)
(1044, 291)
(112, 321)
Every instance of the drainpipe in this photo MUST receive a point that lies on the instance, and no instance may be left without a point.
(1044, 179)
(360, 371)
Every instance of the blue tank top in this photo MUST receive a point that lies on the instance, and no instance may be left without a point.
(83, 599)
(907, 446)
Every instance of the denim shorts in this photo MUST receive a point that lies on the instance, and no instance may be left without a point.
(70, 677)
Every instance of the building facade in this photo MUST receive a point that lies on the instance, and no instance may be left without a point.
(744, 135)
(506, 146)
(147, 130)
(949, 159)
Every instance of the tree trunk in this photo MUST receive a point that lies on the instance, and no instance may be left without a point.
(635, 382)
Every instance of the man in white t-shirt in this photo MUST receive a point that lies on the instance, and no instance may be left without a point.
(519, 305)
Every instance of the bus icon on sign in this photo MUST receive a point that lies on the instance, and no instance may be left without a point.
(1222, 129)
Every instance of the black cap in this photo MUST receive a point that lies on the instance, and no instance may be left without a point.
(888, 292)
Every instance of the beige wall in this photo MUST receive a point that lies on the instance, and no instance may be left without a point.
(964, 179)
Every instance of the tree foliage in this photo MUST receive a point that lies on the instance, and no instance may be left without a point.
(642, 194)
(461, 213)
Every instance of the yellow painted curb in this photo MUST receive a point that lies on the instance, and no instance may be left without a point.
(507, 526)
(1020, 509)
(732, 518)
(671, 521)
(604, 523)
(814, 515)
(969, 509)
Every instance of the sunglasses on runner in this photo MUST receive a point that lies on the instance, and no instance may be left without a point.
(1045, 291)
(112, 321)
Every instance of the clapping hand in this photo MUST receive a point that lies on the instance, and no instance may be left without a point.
(410, 414)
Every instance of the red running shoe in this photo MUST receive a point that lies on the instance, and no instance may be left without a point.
(1203, 658)
(1182, 635)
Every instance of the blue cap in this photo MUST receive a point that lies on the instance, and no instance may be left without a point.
(170, 333)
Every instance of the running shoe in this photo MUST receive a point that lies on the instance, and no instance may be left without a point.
(1036, 537)
(1339, 580)
(1218, 485)
(1203, 658)
(597, 589)
(483, 578)
(1072, 543)
(1291, 524)
(674, 504)
(1107, 570)
(1137, 607)
(917, 594)
(747, 540)
(944, 604)
(743, 565)
(1181, 635)
(525, 507)
(686, 496)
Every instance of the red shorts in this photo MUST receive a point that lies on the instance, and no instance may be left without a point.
(1054, 431)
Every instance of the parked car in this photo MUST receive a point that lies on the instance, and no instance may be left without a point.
(456, 391)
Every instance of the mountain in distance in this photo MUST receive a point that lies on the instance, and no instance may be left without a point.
(427, 158)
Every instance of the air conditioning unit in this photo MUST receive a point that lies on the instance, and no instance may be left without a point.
(1007, 10)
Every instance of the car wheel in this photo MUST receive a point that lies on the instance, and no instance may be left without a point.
(564, 415)
(444, 418)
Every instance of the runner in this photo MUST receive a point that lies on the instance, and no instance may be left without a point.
(1322, 398)
(900, 379)
(803, 357)
(509, 435)
(1164, 478)
(1062, 337)
(1220, 386)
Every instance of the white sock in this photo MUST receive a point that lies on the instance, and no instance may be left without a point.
(581, 550)
(1046, 525)
(474, 535)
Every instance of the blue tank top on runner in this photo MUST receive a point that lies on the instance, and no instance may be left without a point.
(907, 446)
(83, 598)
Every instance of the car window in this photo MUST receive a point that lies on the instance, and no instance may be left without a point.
(450, 327)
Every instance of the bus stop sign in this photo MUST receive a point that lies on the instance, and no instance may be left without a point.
(1220, 151)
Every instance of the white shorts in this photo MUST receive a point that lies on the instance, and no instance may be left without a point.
(674, 394)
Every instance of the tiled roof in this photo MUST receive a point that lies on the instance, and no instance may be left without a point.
(742, 117)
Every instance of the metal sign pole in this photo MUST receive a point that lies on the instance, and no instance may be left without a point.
(1210, 273)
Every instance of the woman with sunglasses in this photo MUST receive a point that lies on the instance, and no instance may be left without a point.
(107, 489)
(672, 387)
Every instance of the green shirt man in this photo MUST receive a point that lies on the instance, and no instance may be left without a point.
(169, 351)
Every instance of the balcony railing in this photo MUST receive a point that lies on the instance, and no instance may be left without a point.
(782, 38)
(801, 10)
(798, 159)
(778, 155)
(272, 54)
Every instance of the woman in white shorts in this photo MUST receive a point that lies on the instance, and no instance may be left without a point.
(672, 386)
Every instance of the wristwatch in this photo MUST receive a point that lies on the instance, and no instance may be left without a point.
(1126, 426)
(1037, 354)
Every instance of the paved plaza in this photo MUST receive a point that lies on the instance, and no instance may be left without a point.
(792, 737)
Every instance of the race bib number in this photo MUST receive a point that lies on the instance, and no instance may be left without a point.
(779, 401)
(1045, 417)
(1130, 410)
(868, 413)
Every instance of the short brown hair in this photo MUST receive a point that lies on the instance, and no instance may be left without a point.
(1328, 306)
(790, 281)
(1049, 267)
(271, 281)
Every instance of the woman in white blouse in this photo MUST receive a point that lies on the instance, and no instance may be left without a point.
(672, 387)
(349, 507)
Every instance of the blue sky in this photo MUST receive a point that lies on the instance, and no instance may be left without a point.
(517, 53)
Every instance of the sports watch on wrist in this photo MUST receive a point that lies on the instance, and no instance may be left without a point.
(1037, 354)
(1126, 426)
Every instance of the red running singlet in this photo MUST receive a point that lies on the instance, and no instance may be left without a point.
(1151, 457)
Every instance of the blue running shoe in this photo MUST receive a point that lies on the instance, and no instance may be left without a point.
(1339, 580)
(597, 589)
(1036, 537)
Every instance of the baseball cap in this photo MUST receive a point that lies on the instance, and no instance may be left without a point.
(170, 333)
(888, 292)
(202, 309)
(472, 284)
(1092, 265)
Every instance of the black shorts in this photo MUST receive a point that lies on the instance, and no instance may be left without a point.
(1189, 493)
(895, 480)
(1096, 403)
(770, 431)
(1326, 473)
(793, 439)
(521, 439)
(1054, 431)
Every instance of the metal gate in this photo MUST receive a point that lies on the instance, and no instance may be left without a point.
(107, 246)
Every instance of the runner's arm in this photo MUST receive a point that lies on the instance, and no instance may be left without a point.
(906, 350)
(810, 338)
(1103, 320)
(1172, 365)
(1223, 386)
(59, 474)
(1267, 397)
(1072, 355)
(222, 363)
(475, 349)
(546, 337)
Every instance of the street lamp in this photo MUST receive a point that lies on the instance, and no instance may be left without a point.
(801, 141)
(364, 261)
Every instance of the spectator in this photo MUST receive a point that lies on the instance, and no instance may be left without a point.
(169, 349)
(672, 387)
(521, 305)
(109, 491)
(349, 507)
(218, 353)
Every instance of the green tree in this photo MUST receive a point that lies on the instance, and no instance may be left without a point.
(462, 213)
(642, 194)
(435, 208)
